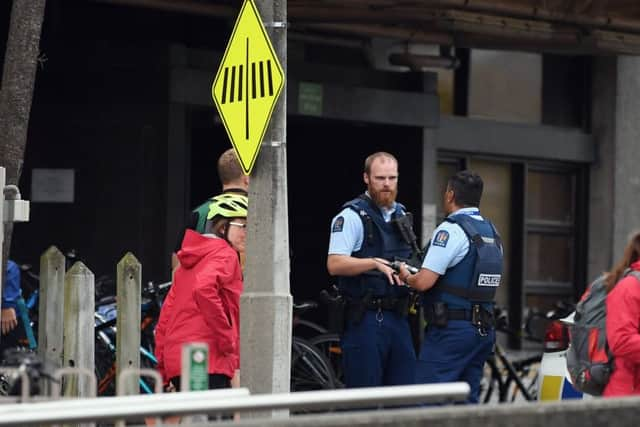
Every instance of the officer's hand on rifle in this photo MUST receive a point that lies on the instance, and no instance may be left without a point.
(383, 266)
(405, 271)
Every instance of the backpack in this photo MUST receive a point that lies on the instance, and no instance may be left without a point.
(589, 359)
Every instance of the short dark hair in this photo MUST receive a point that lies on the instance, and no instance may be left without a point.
(467, 188)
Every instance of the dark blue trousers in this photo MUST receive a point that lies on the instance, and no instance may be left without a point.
(456, 352)
(378, 351)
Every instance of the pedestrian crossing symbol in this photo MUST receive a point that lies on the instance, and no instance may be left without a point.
(247, 85)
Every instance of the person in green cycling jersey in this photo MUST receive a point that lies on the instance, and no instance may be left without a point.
(233, 181)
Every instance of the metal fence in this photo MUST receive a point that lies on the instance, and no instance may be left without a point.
(216, 402)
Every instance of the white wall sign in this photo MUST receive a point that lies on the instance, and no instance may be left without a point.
(52, 185)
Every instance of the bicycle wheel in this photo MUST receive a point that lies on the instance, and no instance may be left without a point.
(310, 369)
(527, 371)
(329, 346)
(490, 383)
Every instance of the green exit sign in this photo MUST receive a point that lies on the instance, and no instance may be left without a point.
(310, 99)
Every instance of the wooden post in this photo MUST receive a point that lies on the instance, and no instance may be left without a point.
(129, 289)
(51, 306)
(79, 341)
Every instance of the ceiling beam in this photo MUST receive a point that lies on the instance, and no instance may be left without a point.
(568, 27)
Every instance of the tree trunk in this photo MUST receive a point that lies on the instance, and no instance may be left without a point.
(18, 77)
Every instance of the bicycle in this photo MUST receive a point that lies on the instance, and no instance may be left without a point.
(310, 368)
(302, 327)
(508, 377)
(105, 350)
(329, 346)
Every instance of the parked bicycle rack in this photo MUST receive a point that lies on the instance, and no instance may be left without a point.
(132, 372)
(63, 372)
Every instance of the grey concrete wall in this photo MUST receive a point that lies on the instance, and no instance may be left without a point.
(627, 156)
(505, 86)
(601, 184)
(600, 412)
(429, 173)
(615, 175)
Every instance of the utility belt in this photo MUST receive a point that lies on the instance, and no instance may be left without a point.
(398, 304)
(438, 314)
(356, 309)
(343, 309)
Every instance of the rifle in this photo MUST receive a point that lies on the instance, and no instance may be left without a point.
(405, 227)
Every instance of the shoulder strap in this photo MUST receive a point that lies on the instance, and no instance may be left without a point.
(367, 222)
(634, 273)
(496, 235)
(467, 226)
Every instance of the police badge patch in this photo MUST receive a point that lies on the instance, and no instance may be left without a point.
(441, 239)
(338, 225)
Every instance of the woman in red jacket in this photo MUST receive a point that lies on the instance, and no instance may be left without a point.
(623, 323)
(203, 303)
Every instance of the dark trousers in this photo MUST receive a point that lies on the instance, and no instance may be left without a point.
(378, 351)
(456, 352)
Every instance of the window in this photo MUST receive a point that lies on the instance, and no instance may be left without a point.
(550, 234)
(537, 208)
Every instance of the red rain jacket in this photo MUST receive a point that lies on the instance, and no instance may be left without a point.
(202, 306)
(623, 336)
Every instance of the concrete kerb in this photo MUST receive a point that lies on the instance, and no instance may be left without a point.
(597, 412)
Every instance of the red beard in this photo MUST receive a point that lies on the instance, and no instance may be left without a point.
(383, 198)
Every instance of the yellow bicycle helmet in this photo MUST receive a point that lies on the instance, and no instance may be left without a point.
(228, 205)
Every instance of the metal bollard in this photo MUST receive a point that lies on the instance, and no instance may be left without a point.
(56, 387)
(128, 372)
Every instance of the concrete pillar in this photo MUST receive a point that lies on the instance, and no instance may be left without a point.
(614, 176)
(265, 305)
(429, 185)
(627, 155)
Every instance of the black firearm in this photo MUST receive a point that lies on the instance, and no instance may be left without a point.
(395, 265)
(405, 227)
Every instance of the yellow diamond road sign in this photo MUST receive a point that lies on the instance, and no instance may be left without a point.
(247, 85)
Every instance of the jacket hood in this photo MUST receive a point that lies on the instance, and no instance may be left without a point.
(195, 246)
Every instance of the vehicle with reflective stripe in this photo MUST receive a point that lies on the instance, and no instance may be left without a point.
(555, 382)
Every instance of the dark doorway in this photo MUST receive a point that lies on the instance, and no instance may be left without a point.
(208, 141)
(325, 163)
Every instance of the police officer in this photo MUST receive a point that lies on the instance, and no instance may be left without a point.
(460, 273)
(376, 341)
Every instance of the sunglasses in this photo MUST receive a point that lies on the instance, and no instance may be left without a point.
(238, 224)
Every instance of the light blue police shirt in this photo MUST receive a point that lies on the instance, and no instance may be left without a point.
(347, 231)
(449, 244)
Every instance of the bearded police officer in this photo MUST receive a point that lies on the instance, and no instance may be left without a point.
(460, 275)
(376, 342)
